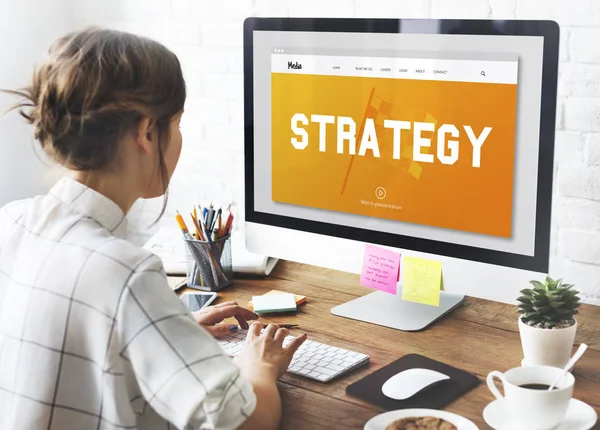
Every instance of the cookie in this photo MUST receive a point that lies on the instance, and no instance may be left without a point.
(421, 423)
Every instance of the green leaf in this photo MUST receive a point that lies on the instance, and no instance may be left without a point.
(538, 285)
(534, 321)
(526, 307)
(524, 299)
(551, 318)
(542, 309)
(557, 305)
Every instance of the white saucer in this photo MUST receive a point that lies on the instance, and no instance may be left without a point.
(381, 421)
(579, 416)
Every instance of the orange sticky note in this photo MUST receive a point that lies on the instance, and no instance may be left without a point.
(299, 299)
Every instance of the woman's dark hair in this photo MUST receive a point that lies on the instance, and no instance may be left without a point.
(95, 86)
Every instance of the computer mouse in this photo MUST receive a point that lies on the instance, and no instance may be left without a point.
(409, 382)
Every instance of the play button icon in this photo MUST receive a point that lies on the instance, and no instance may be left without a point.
(380, 193)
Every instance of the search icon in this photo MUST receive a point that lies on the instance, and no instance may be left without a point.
(482, 73)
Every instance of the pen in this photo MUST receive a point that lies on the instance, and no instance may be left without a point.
(287, 325)
(209, 218)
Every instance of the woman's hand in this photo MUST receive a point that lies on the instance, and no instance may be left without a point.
(210, 318)
(264, 355)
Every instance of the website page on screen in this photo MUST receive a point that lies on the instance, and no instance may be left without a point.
(422, 143)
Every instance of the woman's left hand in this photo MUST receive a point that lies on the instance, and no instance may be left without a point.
(210, 318)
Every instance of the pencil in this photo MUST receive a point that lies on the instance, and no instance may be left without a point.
(199, 234)
(229, 224)
(182, 226)
(225, 223)
(203, 229)
(219, 224)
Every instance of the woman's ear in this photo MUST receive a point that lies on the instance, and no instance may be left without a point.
(144, 135)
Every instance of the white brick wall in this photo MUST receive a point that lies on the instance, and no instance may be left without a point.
(207, 35)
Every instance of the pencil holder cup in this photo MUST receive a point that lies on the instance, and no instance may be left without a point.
(208, 264)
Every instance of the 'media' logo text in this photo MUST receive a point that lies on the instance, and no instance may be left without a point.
(294, 65)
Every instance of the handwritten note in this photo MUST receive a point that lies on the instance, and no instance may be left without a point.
(380, 269)
(422, 281)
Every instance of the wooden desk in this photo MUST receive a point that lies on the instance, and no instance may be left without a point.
(479, 337)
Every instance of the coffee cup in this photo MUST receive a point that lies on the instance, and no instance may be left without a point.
(527, 399)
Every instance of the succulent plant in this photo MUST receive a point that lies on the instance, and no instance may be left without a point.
(550, 304)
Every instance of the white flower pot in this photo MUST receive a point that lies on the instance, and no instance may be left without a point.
(547, 347)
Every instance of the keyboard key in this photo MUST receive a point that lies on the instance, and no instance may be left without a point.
(312, 360)
(325, 371)
(335, 367)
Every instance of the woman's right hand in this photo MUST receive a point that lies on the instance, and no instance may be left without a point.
(264, 354)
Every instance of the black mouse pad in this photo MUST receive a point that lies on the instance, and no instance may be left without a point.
(435, 396)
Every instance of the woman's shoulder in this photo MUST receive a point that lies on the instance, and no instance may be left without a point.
(14, 209)
(131, 256)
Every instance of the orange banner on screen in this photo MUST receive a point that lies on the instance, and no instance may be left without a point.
(437, 153)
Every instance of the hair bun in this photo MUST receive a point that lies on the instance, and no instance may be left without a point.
(96, 85)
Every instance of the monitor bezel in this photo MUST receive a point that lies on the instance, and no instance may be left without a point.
(549, 30)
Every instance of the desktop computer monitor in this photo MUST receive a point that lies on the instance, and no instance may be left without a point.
(431, 137)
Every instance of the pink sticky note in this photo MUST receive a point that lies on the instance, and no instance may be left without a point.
(380, 269)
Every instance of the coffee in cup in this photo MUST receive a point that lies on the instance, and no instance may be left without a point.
(527, 399)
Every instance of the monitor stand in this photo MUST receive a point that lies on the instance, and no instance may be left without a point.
(391, 311)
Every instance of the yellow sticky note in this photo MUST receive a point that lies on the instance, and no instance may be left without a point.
(422, 280)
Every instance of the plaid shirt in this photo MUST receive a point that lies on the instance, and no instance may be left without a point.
(91, 336)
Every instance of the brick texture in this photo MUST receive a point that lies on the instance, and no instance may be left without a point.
(207, 36)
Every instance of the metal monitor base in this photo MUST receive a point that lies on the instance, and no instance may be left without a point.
(391, 311)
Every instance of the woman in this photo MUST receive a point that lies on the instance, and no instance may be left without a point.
(91, 336)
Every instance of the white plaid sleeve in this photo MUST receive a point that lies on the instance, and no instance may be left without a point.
(181, 370)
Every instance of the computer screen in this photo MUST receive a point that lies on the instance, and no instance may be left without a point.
(417, 135)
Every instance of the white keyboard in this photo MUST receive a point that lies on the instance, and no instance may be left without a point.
(313, 360)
